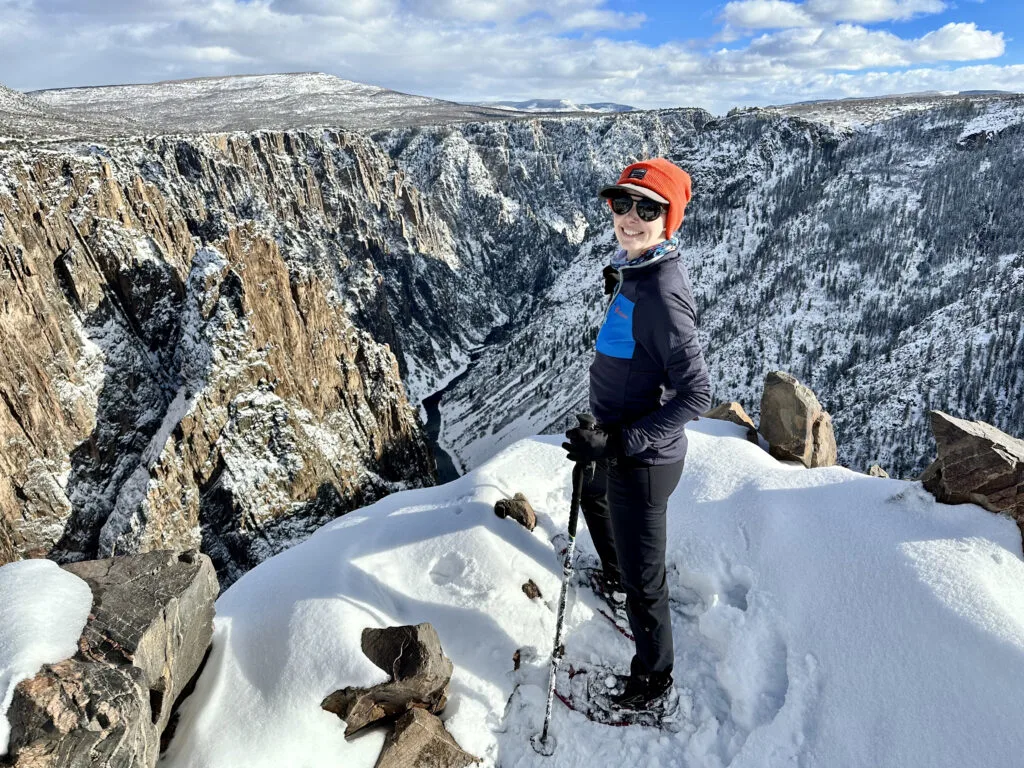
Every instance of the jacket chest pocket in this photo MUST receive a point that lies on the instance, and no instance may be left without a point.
(615, 338)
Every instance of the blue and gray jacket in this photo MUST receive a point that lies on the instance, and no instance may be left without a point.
(649, 376)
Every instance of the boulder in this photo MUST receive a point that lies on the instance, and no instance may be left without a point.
(876, 471)
(733, 411)
(419, 740)
(795, 425)
(976, 463)
(145, 638)
(519, 509)
(418, 677)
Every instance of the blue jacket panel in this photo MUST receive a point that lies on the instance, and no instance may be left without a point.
(649, 376)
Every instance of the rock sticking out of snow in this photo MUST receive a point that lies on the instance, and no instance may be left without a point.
(145, 638)
(517, 508)
(794, 423)
(420, 740)
(977, 463)
(733, 412)
(419, 673)
(42, 612)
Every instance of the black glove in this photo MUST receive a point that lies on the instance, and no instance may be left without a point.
(611, 279)
(587, 445)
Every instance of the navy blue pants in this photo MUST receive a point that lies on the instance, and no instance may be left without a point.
(624, 505)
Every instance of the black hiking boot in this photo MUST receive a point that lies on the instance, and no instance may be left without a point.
(643, 692)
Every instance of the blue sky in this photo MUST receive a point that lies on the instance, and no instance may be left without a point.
(680, 20)
(647, 54)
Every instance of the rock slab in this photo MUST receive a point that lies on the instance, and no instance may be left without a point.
(795, 425)
(146, 636)
(419, 740)
(976, 463)
(419, 674)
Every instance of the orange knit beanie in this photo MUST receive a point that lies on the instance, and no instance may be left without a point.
(666, 180)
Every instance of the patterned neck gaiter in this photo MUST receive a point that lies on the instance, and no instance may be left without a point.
(654, 253)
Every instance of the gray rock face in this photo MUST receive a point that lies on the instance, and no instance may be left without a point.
(419, 674)
(877, 471)
(82, 714)
(976, 463)
(420, 740)
(734, 412)
(794, 423)
(517, 508)
(150, 626)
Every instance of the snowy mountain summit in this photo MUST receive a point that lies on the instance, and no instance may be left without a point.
(821, 618)
(556, 105)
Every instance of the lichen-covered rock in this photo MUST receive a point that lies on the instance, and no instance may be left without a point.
(420, 740)
(517, 508)
(146, 636)
(419, 673)
(976, 463)
(733, 411)
(793, 422)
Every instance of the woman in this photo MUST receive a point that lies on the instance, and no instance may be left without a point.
(647, 380)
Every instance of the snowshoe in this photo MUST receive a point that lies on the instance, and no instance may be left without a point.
(593, 692)
(587, 572)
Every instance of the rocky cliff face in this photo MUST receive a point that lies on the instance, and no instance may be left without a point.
(187, 348)
(882, 264)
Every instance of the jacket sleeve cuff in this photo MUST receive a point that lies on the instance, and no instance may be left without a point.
(633, 441)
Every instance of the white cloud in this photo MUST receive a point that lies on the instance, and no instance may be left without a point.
(780, 14)
(866, 11)
(960, 42)
(852, 47)
(766, 14)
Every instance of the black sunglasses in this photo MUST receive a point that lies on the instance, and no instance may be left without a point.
(646, 209)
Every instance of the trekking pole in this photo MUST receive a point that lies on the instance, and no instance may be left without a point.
(543, 743)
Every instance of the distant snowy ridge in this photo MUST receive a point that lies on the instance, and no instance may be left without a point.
(260, 102)
(556, 105)
(23, 116)
(866, 111)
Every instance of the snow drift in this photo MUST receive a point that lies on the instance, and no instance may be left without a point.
(822, 618)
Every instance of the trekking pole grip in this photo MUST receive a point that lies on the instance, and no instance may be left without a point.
(577, 492)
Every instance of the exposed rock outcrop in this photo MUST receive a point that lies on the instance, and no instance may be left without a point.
(517, 508)
(419, 740)
(876, 471)
(976, 463)
(232, 397)
(793, 422)
(418, 670)
(146, 637)
(734, 412)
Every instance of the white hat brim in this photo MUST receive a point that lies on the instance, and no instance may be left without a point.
(632, 189)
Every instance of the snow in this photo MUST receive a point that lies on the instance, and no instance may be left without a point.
(994, 117)
(43, 610)
(821, 618)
